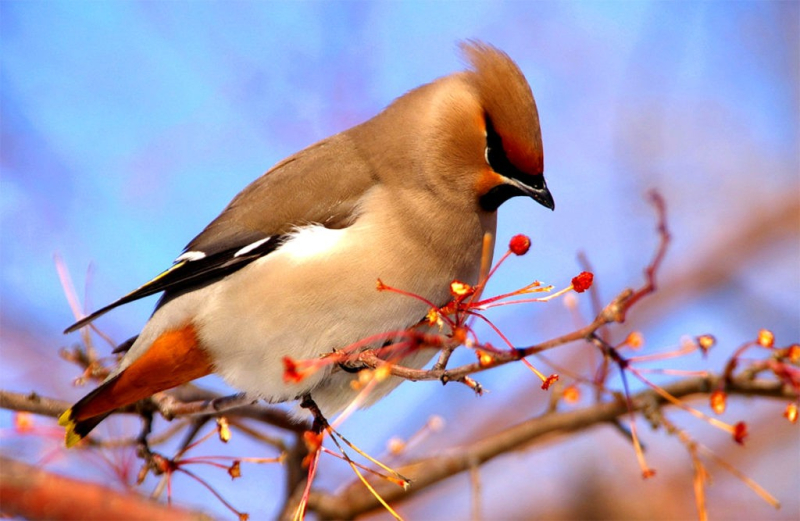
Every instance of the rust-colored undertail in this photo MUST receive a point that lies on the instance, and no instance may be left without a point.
(174, 358)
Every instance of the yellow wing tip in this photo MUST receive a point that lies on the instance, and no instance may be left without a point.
(71, 438)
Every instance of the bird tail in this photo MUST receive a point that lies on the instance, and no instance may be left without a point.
(174, 358)
(80, 419)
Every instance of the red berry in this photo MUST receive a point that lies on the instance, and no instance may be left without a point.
(582, 282)
(519, 244)
(740, 432)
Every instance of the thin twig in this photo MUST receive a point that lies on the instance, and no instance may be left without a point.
(352, 502)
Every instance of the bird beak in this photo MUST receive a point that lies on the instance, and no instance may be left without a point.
(540, 193)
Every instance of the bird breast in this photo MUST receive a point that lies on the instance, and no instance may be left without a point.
(318, 293)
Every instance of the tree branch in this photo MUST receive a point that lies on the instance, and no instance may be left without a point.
(32, 402)
(354, 502)
(33, 493)
(613, 312)
(183, 401)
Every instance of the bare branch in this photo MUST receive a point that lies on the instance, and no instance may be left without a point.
(183, 401)
(32, 402)
(353, 502)
(188, 394)
(652, 268)
(613, 312)
(33, 493)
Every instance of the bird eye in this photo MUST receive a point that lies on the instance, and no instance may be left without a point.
(497, 159)
(495, 154)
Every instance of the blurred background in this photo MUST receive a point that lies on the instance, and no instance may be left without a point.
(128, 126)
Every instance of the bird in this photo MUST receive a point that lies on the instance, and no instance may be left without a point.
(289, 268)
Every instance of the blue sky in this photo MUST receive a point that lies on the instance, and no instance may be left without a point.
(127, 126)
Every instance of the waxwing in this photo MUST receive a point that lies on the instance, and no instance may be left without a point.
(289, 268)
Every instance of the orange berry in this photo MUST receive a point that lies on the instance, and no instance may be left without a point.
(572, 394)
(460, 335)
(706, 342)
(23, 422)
(791, 412)
(395, 446)
(224, 429)
(460, 289)
(635, 340)
(484, 359)
(312, 440)
(718, 401)
(766, 338)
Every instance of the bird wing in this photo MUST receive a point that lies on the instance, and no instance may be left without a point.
(321, 185)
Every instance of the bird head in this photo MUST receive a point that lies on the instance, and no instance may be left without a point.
(512, 155)
(481, 132)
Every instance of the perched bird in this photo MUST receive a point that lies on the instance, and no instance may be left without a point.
(289, 268)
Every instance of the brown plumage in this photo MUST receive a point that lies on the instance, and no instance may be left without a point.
(288, 269)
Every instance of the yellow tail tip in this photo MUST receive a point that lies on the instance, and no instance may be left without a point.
(66, 418)
(71, 438)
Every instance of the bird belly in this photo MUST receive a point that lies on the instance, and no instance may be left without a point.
(315, 295)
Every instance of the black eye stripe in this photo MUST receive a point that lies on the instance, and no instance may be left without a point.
(498, 160)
